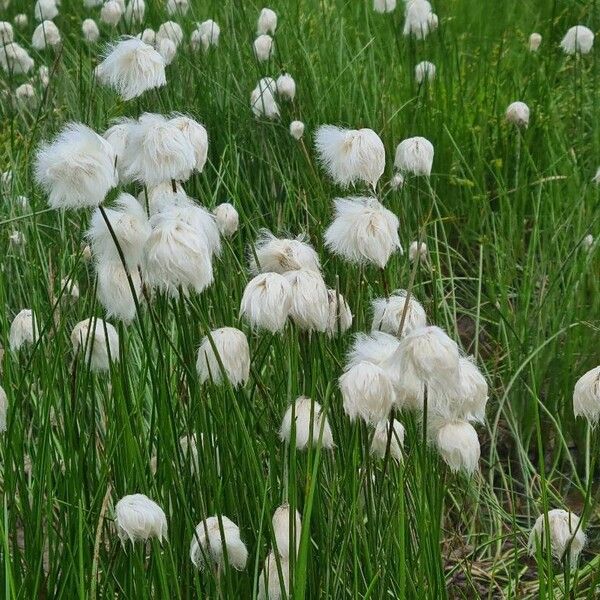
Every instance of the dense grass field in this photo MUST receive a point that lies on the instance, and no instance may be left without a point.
(504, 215)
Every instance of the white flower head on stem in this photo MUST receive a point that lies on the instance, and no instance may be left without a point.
(15, 59)
(263, 47)
(227, 219)
(170, 31)
(114, 291)
(340, 315)
(210, 547)
(167, 49)
(425, 71)
(287, 527)
(138, 519)
(379, 444)
(415, 156)
(262, 99)
(375, 348)
(578, 39)
(99, 340)
(418, 19)
(117, 136)
(278, 255)
(309, 419)
(586, 396)
(417, 251)
(45, 34)
(223, 353)
(148, 36)
(387, 314)
(205, 35)
(565, 534)
(23, 330)
(90, 30)
(267, 301)
(275, 573)
(535, 39)
(517, 113)
(310, 300)
(196, 135)
(111, 13)
(21, 20)
(384, 6)
(458, 445)
(297, 129)
(6, 33)
(134, 13)
(267, 22)
(177, 6)
(286, 86)
(45, 10)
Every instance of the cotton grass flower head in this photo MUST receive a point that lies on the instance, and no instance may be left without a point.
(45, 9)
(535, 40)
(308, 417)
(148, 36)
(287, 528)
(517, 113)
(99, 341)
(21, 20)
(3, 409)
(44, 75)
(267, 301)
(6, 33)
(350, 155)
(397, 181)
(340, 315)
(111, 13)
(77, 169)
(23, 330)
(138, 519)
(275, 571)
(134, 13)
(167, 49)
(70, 287)
(417, 251)
(381, 435)
(197, 137)
(418, 19)
(363, 231)
(588, 241)
(297, 129)
(209, 547)
(25, 93)
(586, 396)
(117, 136)
(384, 6)
(205, 35)
(45, 34)
(15, 59)
(458, 445)
(286, 86)
(278, 255)
(227, 218)
(262, 99)
(267, 22)
(263, 47)
(170, 30)
(578, 39)
(415, 156)
(565, 534)
(114, 289)
(224, 353)
(376, 348)
(131, 67)
(425, 71)
(367, 392)
(90, 31)
(387, 314)
(158, 151)
(472, 393)
(177, 7)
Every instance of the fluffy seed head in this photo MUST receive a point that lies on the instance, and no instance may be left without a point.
(309, 419)
(425, 71)
(296, 129)
(148, 36)
(70, 287)
(387, 314)
(224, 353)
(375, 348)
(267, 22)
(6, 33)
(263, 47)
(170, 31)
(267, 301)
(76, 169)
(278, 255)
(117, 136)
(114, 291)
(417, 251)
(45, 34)
(90, 30)
(21, 20)
(350, 155)
(99, 339)
(564, 531)
(380, 440)
(340, 315)
(517, 113)
(535, 39)
(167, 49)
(414, 155)
(205, 35)
(25, 93)
(287, 527)
(208, 546)
(384, 6)
(588, 241)
(111, 13)
(177, 6)
(45, 9)
(44, 75)
(310, 300)
(227, 219)
(23, 330)
(197, 137)
(418, 19)
(363, 231)
(458, 445)
(586, 396)
(15, 59)
(262, 99)
(138, 519)
(134, 13)
(270, 582)
(286, 86)
(578, 39)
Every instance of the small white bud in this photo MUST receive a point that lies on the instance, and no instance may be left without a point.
(227, 219)
(21, 20)
(263, 47)
(380, 440)
(25, 93)
(458, 444)
(535, 39)
(90, 31)
(397, 181)
(45, 34)
(296, 129)
(286, 86)
(287, 528)
(23, 330)
(517, 113)
(111, 13)
(99, 340)
(588, 241)
(425, 71)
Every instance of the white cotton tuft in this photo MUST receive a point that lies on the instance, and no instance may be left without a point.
(267, 22)
(367, 392)
(45, 34)
(380, 440)
(375, 348)
(517, 113)
(90, 30)
(227, 219)
(287, 528)
(170, 31)
(414, 155)
(177, 7)
(350, 155)
(397, 181)
(309, 419)
(419, 19)
(45, 10)
(472, 391)
(208, 546)
(417, 251)
(15, 59)
(138, 519)
(148, 36)
(425, 71)
(224, 352)
(340, 315)
(588, 241)
(70, 287)
(362, 231)
(297, 129)
(578, 39)
(111, 13)
(77, 169)
(131, 67)
(205, 35)
(20, 20)
(6, 33)
(384, 6)
(23, 330)
(262, 99)
(117, 136)
(25, 93)
(535, 40)
(565, 534)
(387, 314)
(278, 255)
(114, 291)
(196, 136)
(167, 49)
(586, 396)
(458, 445)
(263, 47)
(158, 151)
(134, 13)
(286, 86)
(44, 75)
(3, 409)
(267, 301)
(100, 345)
(275, 571)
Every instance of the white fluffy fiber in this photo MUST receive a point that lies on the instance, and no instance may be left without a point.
(205, 35)
(111, 13)
(586, 396)
(100, 341)
(134, 13)
(45, 9)
(15, 59)
(170, 30)
(535, 40)
(417, 251)
(267, 301)
(517, 113)
(77, 168)
(263, 47)
(267, 22)
(419, 19)
(396, 440)
(117, 136)
(167, 49)
(208, 546)
(415, 156)
(297, 129)
(286, 86)
(138, 519)
(131, 67)
(578, 39)
(227, 218)
(23, 330)
(425, 71)
(340, 315)
(223, 353)
(287, 528)
(275, 571)
(114, 291)
(458, 445)
(387, 314)
(363, 230)
(177, 6)
(278, 255)
(309, 419)
(350, 155)
(197, 137)
(262, 99)
(45, 34)
(90, 30)
(384, 6)
(564, 530)
(310, 301)
(6, 33)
